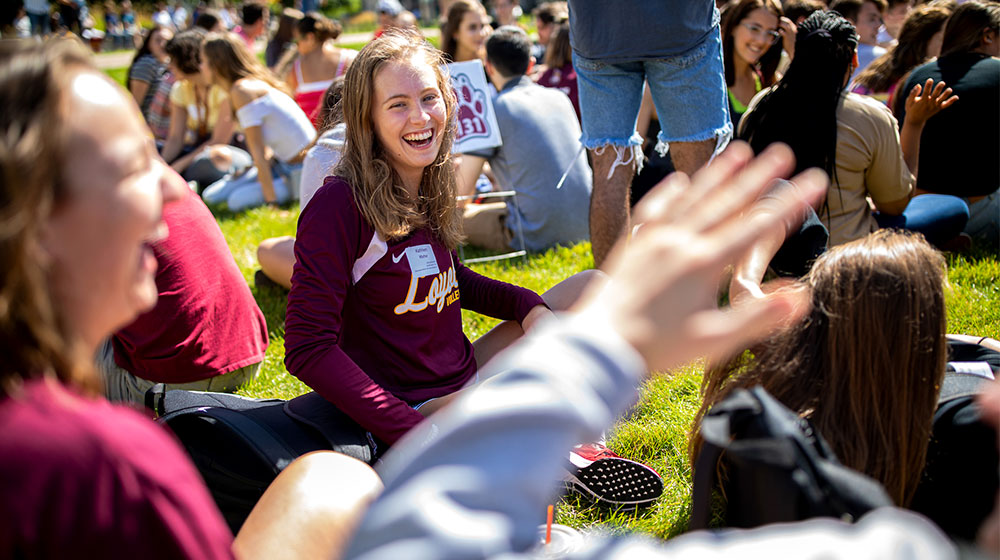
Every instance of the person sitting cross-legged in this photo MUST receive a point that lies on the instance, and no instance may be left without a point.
(540, 158)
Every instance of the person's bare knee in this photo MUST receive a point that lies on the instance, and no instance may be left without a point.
(277, 258)
(310, 510)
(563, 295)
(220, 156)
(689, 157)
(559, 298)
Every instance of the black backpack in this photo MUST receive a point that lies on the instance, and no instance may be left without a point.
(960, 482)
(239, 445)
(778, 467)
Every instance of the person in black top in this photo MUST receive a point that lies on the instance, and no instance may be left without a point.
(959, 145)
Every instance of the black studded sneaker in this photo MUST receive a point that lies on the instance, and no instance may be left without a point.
(600, 475)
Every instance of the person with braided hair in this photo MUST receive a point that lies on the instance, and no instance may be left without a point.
(854, 139)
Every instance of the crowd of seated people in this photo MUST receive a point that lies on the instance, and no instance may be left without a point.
(116, 277)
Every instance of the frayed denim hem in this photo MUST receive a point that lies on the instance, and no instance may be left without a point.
(634, 140)
(722, 138)
(624, 156)
(627, 152)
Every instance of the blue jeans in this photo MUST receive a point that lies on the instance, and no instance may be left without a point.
(688, 90)
(240, 193)
(984, 220)
(939, 217)
(203, 170)
(39, 23)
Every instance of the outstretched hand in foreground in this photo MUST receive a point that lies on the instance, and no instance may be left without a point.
(661, 296)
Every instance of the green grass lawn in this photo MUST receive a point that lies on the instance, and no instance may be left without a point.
(655, 431)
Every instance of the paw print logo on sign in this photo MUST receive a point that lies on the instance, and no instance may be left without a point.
(471, 109)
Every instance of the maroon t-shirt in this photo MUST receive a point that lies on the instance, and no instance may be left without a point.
(81, 478)
(564, 80)
(374, 327)
(206, 321)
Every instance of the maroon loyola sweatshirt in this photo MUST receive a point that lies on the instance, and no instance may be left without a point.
(375, 327)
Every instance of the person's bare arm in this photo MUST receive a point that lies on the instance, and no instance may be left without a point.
(748, 272)
(139, 89)
(922, 103)
(175, 137)
(893, 207)
(239, 95)
(257, 149)
(788, 31)
(224, 124)
(468, 172)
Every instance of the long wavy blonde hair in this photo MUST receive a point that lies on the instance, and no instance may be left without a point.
(866, 364)
(378, 189)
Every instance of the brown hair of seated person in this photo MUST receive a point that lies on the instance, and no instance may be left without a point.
(33, 339)
(559, 52)
(865, 365)
(967, 25)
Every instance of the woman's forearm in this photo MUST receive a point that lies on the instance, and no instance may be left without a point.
(909, 141)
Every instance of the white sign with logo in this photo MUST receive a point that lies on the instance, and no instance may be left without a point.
(476, 123)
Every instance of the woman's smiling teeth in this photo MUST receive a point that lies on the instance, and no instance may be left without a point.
(419, 139)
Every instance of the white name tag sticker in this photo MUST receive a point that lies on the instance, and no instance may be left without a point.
(982, 369)
(422, 260)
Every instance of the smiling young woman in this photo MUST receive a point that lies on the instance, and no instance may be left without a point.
(76, 266)
(374, 321)
(752, 33)
(464, 33)
(78, 473)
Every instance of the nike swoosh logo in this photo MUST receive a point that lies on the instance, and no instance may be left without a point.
(395, 259)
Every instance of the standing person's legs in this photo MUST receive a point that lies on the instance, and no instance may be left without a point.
(614, 168)
(610, 95)
(689, 92)
(39, 24)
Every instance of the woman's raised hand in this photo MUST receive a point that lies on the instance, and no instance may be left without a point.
(661, 296)
(925, 101)
(788, 31)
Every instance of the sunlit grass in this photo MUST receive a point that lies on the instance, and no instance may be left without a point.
(655, 431)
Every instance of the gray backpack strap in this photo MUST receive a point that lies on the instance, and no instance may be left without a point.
(959, 384)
